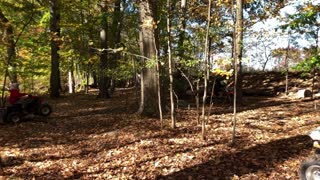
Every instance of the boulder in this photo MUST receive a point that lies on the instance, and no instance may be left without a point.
(303, 93)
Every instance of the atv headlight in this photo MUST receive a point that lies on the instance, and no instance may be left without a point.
(316, 144)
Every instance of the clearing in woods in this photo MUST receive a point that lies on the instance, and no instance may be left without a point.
(89, 138)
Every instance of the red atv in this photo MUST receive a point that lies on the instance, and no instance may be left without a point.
(32, 105)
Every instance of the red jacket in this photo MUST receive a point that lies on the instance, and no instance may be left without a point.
(15, 96)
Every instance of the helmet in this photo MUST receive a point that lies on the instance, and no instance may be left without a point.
(14, 86)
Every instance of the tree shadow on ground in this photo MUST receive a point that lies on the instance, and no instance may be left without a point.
(72, 115)
(249, 103)
(262, 157)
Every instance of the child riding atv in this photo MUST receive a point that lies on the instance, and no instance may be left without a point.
(22, 105)
(16, 97)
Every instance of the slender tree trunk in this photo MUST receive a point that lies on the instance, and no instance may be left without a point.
(149, 83)
(55, 85)
(214, 81)
(71, 78)
(315, 69)
(267, 59)
(233, 48)
(194, 92)
(211, 97)
(197, 100)
(32, 77)
(182, 28)
(95, 78)
(11, 52)
(136, 82)
(87, 78)
(11, 48)
(287, 63)
(156, 45)
(237, 64)
(84, 53)
(3, 100)
(159, 88)
(172, 114)
(206, 71)
(9, 40)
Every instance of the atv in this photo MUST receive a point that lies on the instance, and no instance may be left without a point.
(32, 105)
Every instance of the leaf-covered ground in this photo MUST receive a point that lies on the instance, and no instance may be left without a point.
(89, 138)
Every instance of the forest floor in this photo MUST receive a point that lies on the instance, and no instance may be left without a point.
(89, 138)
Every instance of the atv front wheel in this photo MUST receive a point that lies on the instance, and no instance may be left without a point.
(14, 117)
(45, 110)
(310, 170)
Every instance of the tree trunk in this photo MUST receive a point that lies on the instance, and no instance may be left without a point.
(237, 64)
(11, 48)
(116, 25)
(55, 85)
(87, 76)
(115, 38)
(172, 114)
(182, 28)
(287, 63)
(315, 69)
(237, 46)
(71, 82)
(104, 80)
(149, 84)
(267, 58)
(159, 88)
(95, 78)
(206, 72)
(197, 99)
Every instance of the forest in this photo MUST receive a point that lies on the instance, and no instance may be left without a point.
(147, 89)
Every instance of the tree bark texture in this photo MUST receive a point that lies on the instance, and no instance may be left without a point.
(104, 80)
(116, 26)
(11, 47)
(149, 85)
(172, 112)
(115, 38)
(55, 85)
(287, 63)
(239, 47)
(71, 81)
(237, 63)
(206, 73)
(182, 28)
